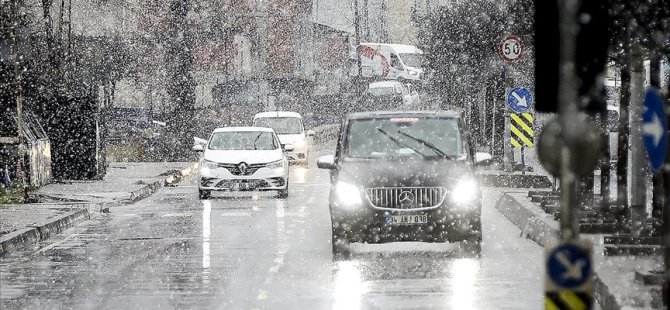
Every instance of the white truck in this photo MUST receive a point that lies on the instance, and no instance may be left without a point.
(390, 61)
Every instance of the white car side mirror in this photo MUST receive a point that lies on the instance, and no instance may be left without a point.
(288, 147)
(311, 133)
(200, 141)
(198, 148)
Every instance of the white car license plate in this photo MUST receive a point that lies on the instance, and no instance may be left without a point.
(406, 219)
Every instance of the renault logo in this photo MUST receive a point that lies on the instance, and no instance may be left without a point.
(406, 198)
(243, 168)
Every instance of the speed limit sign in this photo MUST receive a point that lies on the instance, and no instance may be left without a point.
(511, 48)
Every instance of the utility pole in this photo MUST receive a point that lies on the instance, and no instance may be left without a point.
(638, 157)
(21, 168)
(357, 29)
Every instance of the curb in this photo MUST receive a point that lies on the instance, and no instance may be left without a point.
(25, 237)
(494, 179)
(534, 227)
(170, 180)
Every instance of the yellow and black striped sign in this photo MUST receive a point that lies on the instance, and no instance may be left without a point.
(522, 133)
(568, 300)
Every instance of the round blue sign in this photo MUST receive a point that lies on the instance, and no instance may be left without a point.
(520, 99)
(569, 266)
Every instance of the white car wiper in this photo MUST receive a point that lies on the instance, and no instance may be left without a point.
(430, 145)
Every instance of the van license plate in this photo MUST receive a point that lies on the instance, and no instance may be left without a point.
(406, 219)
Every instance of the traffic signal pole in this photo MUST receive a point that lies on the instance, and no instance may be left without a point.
(567, 90)
(639, 165)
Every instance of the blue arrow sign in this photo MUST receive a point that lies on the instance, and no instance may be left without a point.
(520, 99)
(569, 266)
(654, 128)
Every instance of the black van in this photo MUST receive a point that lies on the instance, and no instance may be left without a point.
(404, 176)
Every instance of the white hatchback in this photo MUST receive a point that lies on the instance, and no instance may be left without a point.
(290, 130)
(243, 159)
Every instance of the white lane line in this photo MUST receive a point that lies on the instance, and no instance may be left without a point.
(55, 244)
(206, 235)
(185, 214)
(262, 295)
(236, 214)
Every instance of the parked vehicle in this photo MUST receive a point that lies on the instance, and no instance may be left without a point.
(290, 130)
(243, 159)
(391, 61)
(394, 89)
(431, 193)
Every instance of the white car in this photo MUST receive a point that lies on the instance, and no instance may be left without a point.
(243, 159)
(290, 129)
(404, 91)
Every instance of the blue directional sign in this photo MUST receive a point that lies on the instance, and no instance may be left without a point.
(654, 128)
(569, 266)
(520, 99)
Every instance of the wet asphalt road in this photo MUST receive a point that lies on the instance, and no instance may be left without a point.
(173, 251)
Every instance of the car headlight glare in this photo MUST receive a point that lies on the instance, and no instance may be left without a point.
(206, 167)
(348, 194)
(414, 73)
(465, 192)
(275, 165)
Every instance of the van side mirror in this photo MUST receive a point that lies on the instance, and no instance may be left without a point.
(326, 162)
(483, 159)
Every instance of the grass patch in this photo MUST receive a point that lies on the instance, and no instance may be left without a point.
(12, 194)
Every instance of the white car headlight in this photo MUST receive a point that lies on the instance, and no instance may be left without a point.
(413, 73)
(275, 165)
(465, 192)
(206, 168)
(348, 194)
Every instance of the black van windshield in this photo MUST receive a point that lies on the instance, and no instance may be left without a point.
(401, 137)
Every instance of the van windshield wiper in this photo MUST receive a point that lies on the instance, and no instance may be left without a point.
(430, 145)
(400, 143)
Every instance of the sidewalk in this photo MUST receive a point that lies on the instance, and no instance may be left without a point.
(62, 205)
(615, 284)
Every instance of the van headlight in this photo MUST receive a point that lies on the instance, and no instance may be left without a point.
(466, 191)
(275, 164)
(348, 194)
(413, 73)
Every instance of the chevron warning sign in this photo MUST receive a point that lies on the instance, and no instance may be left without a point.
(567, 300)
(522, 133)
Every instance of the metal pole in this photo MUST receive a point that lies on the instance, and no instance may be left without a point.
(357, 29)
(638, 159)
(21, 169)
(568, 111)
(523, 160)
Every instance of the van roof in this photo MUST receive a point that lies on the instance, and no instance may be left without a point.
(399, 48)
(389, 114)
(277, 114)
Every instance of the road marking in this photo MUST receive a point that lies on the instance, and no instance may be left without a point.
(55, 244)
(262, 295)
(188, 214)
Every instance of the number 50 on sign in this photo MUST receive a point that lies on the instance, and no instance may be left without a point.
(511, 48)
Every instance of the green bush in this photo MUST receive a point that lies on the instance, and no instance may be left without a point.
(12, 194)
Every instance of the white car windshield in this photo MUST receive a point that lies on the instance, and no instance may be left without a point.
(382, 91)
(243, 140)
(281, 125)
